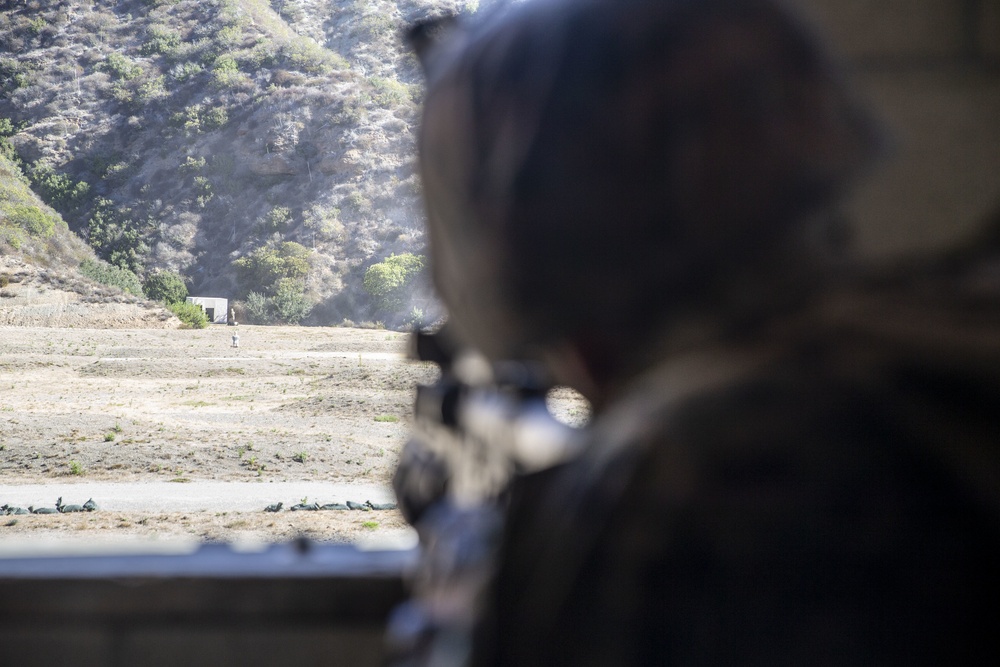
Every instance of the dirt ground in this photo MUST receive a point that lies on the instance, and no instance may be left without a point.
(79, 406)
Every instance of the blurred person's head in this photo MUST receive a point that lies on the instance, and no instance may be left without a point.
(605, 176)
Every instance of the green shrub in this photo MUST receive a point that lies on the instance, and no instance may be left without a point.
(225, 63)
(13, 237)
(390, 93)
(186, 70)
(59, 191)
(121, 67)
(165, 286)
(275, 220)
(7, 150)
(388, 282)
(261, 270)
(192, 315)
(150, 90)
(14, 75)
(258, 308)
(305, 55)
(192, 165)
(117, 235)
(113, 276)
(215, 118)
(203, 187)
(379, 25)
(226, 73)
(324, 222)
(229, 37)
(196, 119)
(36, 25)
(160, 39)
(290, 305)
(32, 219)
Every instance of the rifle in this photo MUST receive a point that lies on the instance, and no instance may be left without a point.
(477, 428)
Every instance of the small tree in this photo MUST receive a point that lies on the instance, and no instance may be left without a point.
(258, 308)
(289, 302)
(165, 286)
(262, 270)
(388, 282)
(190, 314)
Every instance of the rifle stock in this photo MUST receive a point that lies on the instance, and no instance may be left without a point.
(475, 429)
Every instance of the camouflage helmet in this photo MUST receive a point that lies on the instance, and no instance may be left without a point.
(604, 169)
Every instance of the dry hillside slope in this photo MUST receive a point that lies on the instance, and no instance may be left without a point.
(183, 135)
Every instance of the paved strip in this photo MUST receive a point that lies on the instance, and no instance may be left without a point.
(364, 356)
(189, 497)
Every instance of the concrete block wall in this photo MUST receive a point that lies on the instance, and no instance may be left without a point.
(931, 71)
(324, 605)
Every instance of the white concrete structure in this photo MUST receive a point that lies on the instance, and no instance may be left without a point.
(216, 309)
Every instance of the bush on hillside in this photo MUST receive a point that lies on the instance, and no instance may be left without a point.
(32, 219)
(275, 220)
(113, 276)
(388, 282)
(160, 39)
(289, 301)
(192, 315)
(261, 270)
(257, 308)
(165, 286)
(288, 305)
(116, 235)
(121, 67)
(59, 191)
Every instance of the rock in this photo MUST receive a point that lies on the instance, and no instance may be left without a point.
(276, 507)
(340, 163)
(42, 510)
(272, 164)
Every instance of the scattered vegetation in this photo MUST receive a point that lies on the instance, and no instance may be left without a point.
(306, 109)
(264, 268)
(112, 276)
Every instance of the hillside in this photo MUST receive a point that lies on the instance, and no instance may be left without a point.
(41, 282)
(225, 140)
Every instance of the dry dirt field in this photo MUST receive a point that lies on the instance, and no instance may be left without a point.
(85, 407)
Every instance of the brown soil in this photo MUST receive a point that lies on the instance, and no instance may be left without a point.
(132, 405)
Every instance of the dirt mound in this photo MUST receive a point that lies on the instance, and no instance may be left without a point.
(33, 296)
